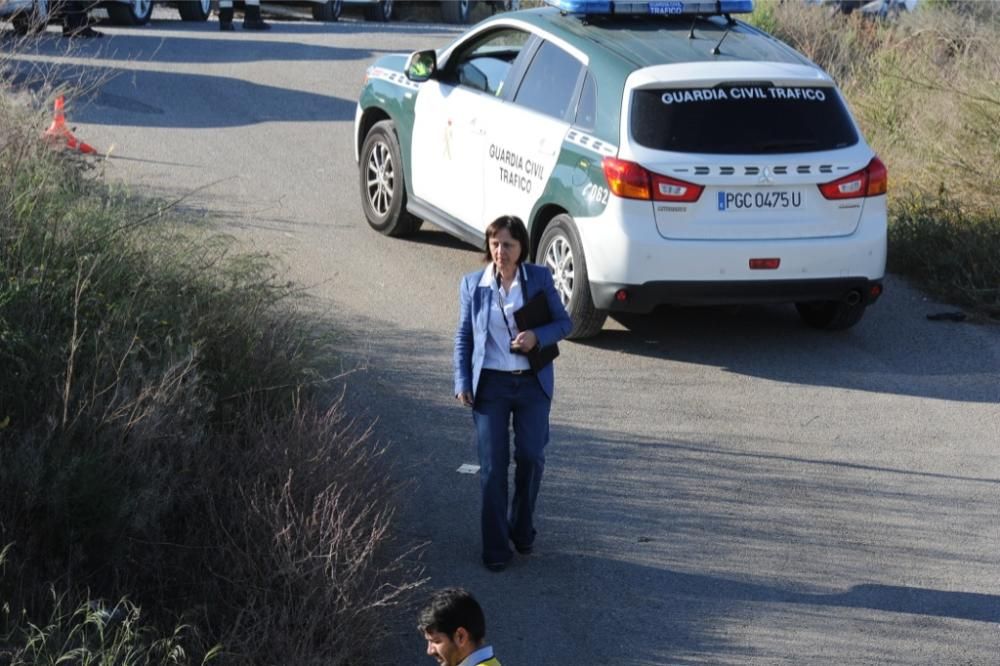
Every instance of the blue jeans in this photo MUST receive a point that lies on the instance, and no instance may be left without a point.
(499, 397)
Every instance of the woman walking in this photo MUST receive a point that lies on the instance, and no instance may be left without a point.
(493, 375)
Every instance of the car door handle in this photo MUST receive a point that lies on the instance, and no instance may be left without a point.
(547, 147)
(476, 128)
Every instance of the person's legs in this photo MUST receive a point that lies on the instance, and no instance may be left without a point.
(251, 17)
(225, 15)
(75, 21)
(491, 414)
(531, 434)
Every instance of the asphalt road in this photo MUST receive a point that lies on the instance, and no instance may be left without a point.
(723, 486)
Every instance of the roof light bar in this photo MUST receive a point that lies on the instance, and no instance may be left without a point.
(656, 8)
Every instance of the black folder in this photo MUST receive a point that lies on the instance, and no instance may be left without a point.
(533, 314)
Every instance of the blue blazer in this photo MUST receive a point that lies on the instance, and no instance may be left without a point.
(473, 323)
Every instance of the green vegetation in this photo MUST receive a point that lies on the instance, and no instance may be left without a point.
(164, 437)
(926, 89)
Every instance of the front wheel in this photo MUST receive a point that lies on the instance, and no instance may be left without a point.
(561, 252)
(383, 190)
(328, 11)
(133, 12)
(380, 12)
(194, 10)
(831, 315)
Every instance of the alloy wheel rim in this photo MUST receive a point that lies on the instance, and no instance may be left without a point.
(380, 180)
(559, 260)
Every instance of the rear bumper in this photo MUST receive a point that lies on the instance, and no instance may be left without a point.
(645, 297)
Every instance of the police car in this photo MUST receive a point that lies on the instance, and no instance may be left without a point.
(659, 152)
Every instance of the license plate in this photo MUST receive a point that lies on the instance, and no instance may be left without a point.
(759, 200)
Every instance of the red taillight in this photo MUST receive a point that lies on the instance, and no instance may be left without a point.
(871, 181)
(765, 264)
(631, 181)
(878, 178)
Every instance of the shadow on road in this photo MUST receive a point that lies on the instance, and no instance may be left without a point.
(707, 550)
(144, 98)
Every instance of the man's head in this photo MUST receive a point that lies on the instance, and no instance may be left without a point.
(453, 625)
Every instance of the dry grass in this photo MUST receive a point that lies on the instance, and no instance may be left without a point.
(167, 432)
(926, 90)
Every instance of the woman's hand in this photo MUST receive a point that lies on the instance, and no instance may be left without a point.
(525, 341)
(465, 398)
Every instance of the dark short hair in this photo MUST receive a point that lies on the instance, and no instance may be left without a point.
(450, 609)
(516, 228)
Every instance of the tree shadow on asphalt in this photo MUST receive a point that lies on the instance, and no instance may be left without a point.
(193, 46)
(705, 550)
(153, 99)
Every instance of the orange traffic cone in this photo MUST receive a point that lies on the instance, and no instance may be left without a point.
(58, 130)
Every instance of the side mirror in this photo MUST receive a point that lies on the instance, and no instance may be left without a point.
(421, 65)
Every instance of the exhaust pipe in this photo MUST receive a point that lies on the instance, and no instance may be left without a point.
(853, 297)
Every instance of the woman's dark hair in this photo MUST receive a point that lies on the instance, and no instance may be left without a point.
(516, 228)
(450, 609)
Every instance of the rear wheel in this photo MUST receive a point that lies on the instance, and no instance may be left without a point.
(194, 10)
(831, 315)
(32, 21)
(456, 11)
(133, 12)
(328, 11)
(383, 190)
(561, 252)
(380, 11)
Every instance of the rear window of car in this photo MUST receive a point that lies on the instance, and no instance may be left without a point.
(741, 119)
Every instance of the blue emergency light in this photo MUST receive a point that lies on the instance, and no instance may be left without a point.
(655, 8)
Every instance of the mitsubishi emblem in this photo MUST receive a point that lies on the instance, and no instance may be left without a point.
(765, 177)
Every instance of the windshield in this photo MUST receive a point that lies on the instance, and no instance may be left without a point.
(741, 119)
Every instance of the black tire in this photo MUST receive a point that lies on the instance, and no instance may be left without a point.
(831, 315)
(561, 252)
(328, 11)
(194, 10)
(380, 12)
(383, 189)
(34, 20)
(133, 12)
(456, 11)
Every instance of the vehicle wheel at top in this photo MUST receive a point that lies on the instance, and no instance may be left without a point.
(383, 190)
(561, 252)
(194, 10)
(328, 11)
(831, 315)
(32, 21)
(456, 11)
(133, 12)
(380, 11)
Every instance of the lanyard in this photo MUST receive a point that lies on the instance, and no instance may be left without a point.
(506, 322)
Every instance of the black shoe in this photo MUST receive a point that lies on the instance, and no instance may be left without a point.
(86, 32)
(524, 548)
(495, 567)
(252, 19)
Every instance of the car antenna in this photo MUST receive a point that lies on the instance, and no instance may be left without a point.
(695, 21)
(715, 49)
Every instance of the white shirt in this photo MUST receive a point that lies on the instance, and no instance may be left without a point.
(498, 337)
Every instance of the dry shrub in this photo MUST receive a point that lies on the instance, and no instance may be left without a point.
(161, 435)
(297, 545)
